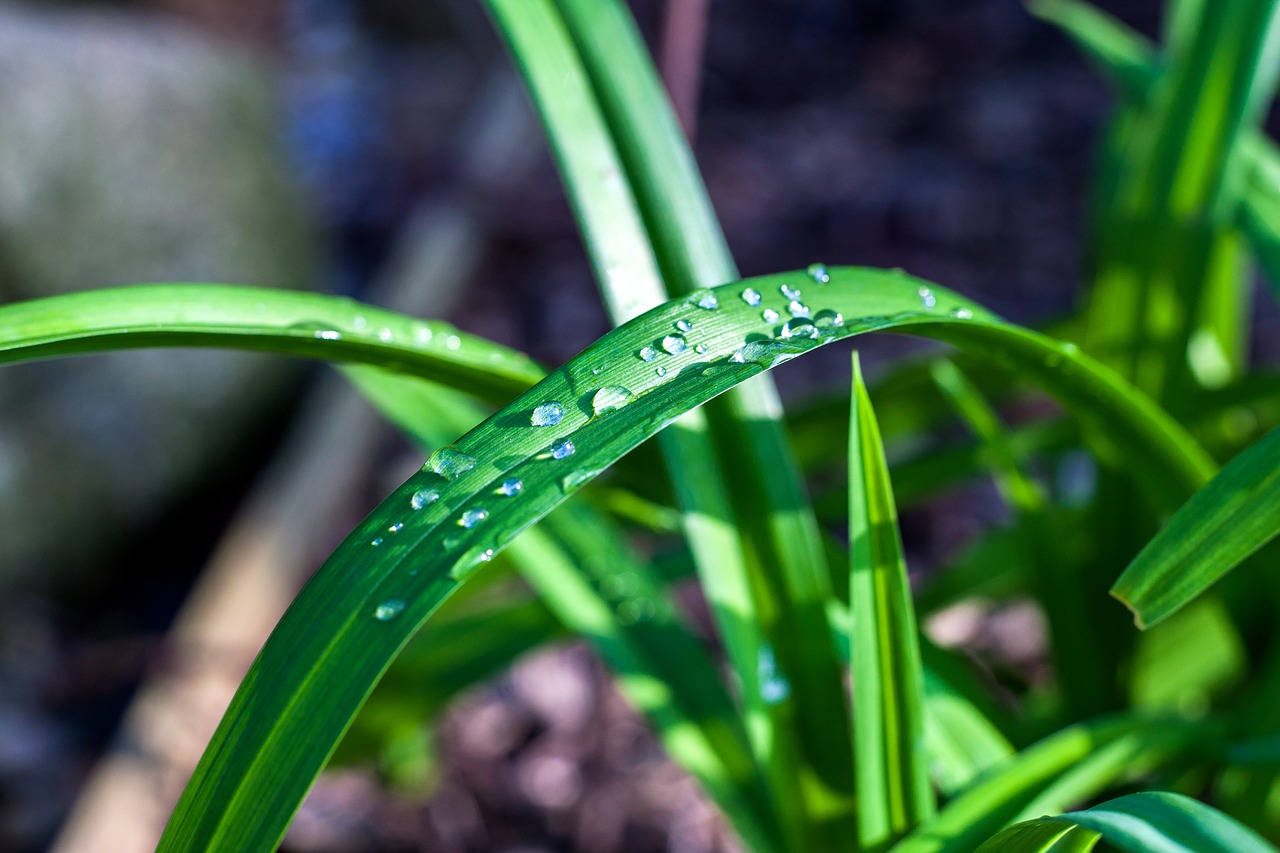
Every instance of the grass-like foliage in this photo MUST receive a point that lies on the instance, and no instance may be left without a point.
(918, 756)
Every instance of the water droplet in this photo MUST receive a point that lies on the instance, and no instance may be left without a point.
(329, 335)
(576, 480)
(360, 322)
(704, 299)
(788, 291)
(423, 497)
(675, 344)
(486, 555)
(396, 528)
(376, 542)
(827, 319)
(547, 414)
(610, 399)
(769, 315)
(684, 326)
(511, 487)
(423, 334)
(700, 349)
(797, 309)
(926, 297)
(774, 687)
(453, 342)
(801, 327)
(755, 352)
(962, 313)
(450, 463)
(595, 371)
(751, 296)
(385, 334)
(648, 354)
(388, 610)
(562, 449)
(818, 272)
(661, 371)
(470, 518)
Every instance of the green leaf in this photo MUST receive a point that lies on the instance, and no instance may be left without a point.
(1152, 822)
(1072, 765)
(1045, 835)
(960, 741)
(893, 787)
(1222, 524)
(305, 325)
(331, 646)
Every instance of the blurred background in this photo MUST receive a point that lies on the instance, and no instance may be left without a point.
(383, 149)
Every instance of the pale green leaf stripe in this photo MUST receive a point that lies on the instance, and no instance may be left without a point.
(1234, 515)
(1131, 61)
(330, 648)
(306, 325)
(960, 741)
(581, 568)
(1071, 765)
(894, 792)
(622, 256)
(1151, 822)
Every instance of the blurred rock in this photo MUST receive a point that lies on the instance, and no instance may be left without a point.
(131, 150)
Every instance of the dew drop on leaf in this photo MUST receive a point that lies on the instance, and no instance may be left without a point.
(684, 326)
(828, 319)
(329, 335)
(798, 328)
(610, 399)
(769, 315)
(396, 528)
(705, 299)
(675, 344)
(450, 463)
(648, 354)
(547, 414)
(562, 449)
(388, 610)
(385, 335)
(511, 487)
(751, 296)
(700, 349)
(927, 299)
(470, 518)
(661, 371)
(755, 352)
(576, 480)
(789, 292)
(424, 497)
(486, 555)
(962, 313)
(798, 309)
(818, 272)
(376, 542)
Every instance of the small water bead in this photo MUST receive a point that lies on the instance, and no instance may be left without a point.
(385, 335)
(926, 297)
(684, 326)
(450, 463)
(547, 414)
(486, 555)
(423, 334)
(424, 497)
(700, 349)
(769, 315)
(818, 272)
(755, 352)
(705, 299)
(675, 344)
(789, 292)
(595, 371)
(575, 480)
(610, 399)
(396, 528)
(798, 309)
(329, 335)
(511, 487)
(389, 609)
(661, 371)
(751, 296)
(828, 319)
(648, 354)
(376, 542)
(470, 518)
(774, 686)
(360, 322)
(562, 449)
(962, 313)
(801, 327)
(453, 342)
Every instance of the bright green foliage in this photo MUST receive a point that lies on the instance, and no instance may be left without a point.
(501, 543)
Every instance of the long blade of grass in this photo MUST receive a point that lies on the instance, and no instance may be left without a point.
(623, 258)
(304, 325)
(960, 741)
(1151, 822)
(1066, 767)
(1222, 524)
(361, 607)
(894, 792)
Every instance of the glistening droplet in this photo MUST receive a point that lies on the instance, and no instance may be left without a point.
(562, 449)
(818, 272)
(751, 296)
(511, 487)
(423, 497)
(675, 344)
(470, 518)
(547, 414)
(450, 463)
(610, 399)
(388, 610)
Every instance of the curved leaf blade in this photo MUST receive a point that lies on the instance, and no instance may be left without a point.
(1234, 515)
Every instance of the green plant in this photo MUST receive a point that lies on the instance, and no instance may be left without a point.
(1184, 196)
